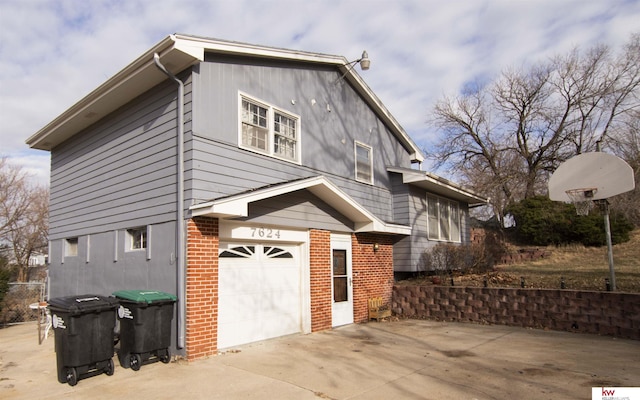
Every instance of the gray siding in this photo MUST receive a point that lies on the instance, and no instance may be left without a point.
(119, 172)
(327, 134)
(217, 169)
(300, 209)
(407, 251)
(103, 264)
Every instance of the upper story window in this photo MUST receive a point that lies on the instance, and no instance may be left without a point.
(364, 162)
(71, 247)
(137, 238)
(443, 219)
(268, 130)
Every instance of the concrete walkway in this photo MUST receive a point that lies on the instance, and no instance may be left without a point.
(408, 359)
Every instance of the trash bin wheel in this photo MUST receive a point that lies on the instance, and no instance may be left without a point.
(135, 361)
(110, 368)
(72, 376)
(165, 357)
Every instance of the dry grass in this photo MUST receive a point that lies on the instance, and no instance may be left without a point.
(581, 268)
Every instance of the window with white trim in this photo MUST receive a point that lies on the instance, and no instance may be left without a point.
(71, 247)
(443, 222)
(364, 162)
(137, 238)
(268, 130)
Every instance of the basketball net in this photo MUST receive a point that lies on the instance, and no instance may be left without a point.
(581, 199)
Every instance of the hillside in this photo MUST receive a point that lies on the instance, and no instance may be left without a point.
(581, 268)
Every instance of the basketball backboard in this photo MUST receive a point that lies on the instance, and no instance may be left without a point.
(602, 175)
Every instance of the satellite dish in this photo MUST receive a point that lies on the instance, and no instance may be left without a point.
(597, 175)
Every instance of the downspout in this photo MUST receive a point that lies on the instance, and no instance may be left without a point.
(180, 245)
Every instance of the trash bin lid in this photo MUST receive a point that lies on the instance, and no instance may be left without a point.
(83, 304)
(145, 296)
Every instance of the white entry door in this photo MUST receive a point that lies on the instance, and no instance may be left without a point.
(342, 288)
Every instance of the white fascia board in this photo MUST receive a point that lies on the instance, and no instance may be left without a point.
(133, 80)
(428, 180)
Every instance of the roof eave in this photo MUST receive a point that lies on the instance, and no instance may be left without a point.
(438, 185)
(178, 52)
(136, 78)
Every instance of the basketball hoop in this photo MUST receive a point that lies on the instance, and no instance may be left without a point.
(582, 199)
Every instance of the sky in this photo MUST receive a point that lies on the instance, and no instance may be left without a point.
(54, 52)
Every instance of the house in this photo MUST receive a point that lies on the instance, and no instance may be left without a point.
(269, 189)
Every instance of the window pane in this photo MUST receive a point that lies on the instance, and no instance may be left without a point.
(339, 262)
(255, 137)
(340, 292)
(255, 130)
(363, 163)
(285, 137)
(432, 222)
(455, 222)
(254, 114)
(444, 220)
(137, 238)
(71, 247)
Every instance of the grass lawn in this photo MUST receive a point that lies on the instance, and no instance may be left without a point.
(581, 268)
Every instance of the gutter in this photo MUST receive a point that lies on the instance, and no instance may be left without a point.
(180, 241)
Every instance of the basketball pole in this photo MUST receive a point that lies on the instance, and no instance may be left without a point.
(604, 204)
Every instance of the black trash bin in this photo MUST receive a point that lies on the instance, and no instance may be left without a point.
(84, 335)
(145, 327)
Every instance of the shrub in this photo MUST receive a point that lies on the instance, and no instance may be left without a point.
(542, 222)
(446, 258)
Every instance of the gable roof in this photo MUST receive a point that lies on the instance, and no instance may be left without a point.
(178, 52)
(238, 205)
(439, 185)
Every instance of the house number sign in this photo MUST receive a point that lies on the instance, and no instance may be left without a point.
(269, 233)
(265, 233)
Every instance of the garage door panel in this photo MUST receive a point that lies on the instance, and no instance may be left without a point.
(259, 293)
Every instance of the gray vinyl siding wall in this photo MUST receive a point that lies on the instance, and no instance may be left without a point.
(119, 172)
(300, 209)
(220, 167)
(104, 264)
(407, 251)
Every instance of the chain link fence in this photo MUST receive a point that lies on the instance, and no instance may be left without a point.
(20, 303)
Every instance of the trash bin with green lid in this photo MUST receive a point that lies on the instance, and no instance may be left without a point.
(145, 327)
(84, 335)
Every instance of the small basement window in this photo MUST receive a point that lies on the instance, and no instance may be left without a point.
(137, 238)
(71, 247)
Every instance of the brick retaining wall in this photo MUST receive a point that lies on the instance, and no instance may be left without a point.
(604, 313)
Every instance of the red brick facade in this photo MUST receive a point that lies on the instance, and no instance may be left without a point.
(372, 271)
(202, 287)
(372, 277)
(320, 274)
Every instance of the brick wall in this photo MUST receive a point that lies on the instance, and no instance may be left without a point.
(320, 274)
(604, 313)
(202, 287)
(372, 271)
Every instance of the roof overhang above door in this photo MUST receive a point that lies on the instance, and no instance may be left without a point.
(237, 206)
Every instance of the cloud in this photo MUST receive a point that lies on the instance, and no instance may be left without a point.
(54, 53)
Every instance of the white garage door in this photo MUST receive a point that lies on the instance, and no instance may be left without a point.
(259, 294)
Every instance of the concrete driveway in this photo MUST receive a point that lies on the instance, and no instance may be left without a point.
(407, 359)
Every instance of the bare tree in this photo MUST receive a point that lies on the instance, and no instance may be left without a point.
(627, 146)
(505, 138)
(24, 213)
